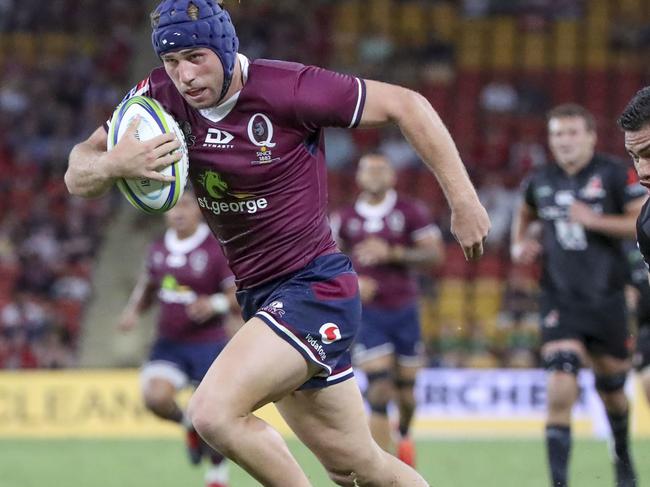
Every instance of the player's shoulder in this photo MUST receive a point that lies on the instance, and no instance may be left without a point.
(274, 72)
(158, 244)
(276, 66)
(345, 212)
(409, 202)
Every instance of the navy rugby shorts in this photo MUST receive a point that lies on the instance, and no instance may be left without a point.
(317, 310)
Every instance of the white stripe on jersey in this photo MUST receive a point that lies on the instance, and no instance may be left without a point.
(356, 110)
(429, 230)
(295, 339)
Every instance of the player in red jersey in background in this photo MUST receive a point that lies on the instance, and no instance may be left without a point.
(257, 163)
(188, 276)
(387, 235)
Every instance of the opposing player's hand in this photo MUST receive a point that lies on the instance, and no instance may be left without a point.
(372, 251)
(128, 321)
(200, 310)
(367, 288)
(582, 213)
(526, 251)
(132, 158)
(470, 225)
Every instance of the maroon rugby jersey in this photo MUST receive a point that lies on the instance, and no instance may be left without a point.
(398, 221)
(183, 270)
(257, 161)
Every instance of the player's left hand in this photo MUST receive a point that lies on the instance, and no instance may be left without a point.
(372, 251)
(582, 213)
(200, 310)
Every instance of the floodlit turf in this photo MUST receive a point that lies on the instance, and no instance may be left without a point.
(162, 463)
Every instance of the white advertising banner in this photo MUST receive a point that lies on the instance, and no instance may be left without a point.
(506, 402)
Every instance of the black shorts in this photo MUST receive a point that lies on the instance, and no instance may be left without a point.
(642, 353)
(602, 328)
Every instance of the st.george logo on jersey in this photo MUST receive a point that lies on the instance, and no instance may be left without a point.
(146, 194)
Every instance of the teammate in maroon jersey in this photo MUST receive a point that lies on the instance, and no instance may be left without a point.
(187, 274)
(257, 163)
(387, 235)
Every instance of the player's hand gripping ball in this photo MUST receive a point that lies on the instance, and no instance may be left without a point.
(146, 194)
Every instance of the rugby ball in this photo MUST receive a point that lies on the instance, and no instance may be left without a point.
(146, 194)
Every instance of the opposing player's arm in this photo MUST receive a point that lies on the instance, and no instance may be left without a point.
(612, 225)
(92, 169)
(428, 135)
(524, 247)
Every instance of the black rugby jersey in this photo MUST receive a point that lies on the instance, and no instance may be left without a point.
(643, 232)
(580, 266)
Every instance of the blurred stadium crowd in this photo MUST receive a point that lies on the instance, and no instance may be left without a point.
(491, 68)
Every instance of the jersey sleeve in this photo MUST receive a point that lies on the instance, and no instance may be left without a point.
(627, 184)
(143, 88)
(643, 233)
(528, 192)
(420, 223)
(325, 98)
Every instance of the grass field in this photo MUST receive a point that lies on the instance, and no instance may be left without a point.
(162, 463)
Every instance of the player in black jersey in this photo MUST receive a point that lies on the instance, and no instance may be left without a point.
(639, 279)
(586, 204)
(635, 121)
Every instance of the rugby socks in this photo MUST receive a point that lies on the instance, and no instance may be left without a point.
(558, 449)
(625, 475)
(620, 425)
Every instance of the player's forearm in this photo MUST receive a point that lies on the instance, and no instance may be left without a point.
(617, 226)
(520, 223)
(414, 255)
(87, 174)
(428, 135)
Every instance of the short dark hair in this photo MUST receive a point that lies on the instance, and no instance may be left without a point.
(637, 111)
(573, 110)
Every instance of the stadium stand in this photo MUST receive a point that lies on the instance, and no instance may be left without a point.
(491, 69)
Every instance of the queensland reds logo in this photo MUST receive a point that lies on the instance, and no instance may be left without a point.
(329, 333)
(260, 130)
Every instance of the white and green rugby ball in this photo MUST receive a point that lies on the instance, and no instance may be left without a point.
(146, 194)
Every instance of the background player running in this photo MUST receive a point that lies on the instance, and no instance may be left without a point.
(387, 235)
(587, 204)
(188, 276)
(257, 163)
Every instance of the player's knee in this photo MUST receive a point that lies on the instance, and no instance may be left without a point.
(566, 361)
(158, 402)
(210, 420)
(610, 383)
(379, 391)
(361, 468)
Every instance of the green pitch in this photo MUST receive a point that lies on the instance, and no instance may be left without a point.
(162, 463)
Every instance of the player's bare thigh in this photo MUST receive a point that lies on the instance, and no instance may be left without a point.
(331, 422)
(255, 368)
(603, 364)
(376, 364)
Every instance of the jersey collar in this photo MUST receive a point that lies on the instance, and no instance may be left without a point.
(186, 245)
(369, 211)
(219, 112)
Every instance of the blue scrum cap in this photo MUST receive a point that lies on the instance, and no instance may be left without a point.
(184, 24)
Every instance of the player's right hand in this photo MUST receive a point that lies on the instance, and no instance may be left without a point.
(127, 322)
(367, 288)
(525, 251)
(132, 158)
(470, 225)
